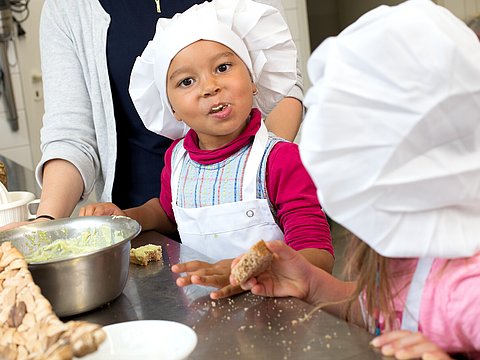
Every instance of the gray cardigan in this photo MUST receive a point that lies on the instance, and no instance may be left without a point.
(79, 123)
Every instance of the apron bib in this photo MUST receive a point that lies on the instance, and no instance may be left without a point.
(227, 230)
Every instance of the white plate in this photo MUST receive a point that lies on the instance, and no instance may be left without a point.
(146, 339)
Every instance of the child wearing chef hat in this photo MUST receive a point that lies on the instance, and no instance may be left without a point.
(227, 182)
(392, 141)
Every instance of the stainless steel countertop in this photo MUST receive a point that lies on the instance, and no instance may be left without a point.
(242, 327)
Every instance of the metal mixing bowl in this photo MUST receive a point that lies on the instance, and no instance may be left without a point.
(85, 281)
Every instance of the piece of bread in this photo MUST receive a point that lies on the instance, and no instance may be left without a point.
(253, 263)
(29, 329)
(146, 253)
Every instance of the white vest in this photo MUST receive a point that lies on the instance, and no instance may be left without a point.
(227, 230)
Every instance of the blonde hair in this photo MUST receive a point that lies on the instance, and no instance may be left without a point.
(372, 274)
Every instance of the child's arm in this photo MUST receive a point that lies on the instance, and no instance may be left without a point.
(149, 215)
(293, 195)
(319, 258)
(217, 274)
(283, 126)
(292, 275)
(408, 345)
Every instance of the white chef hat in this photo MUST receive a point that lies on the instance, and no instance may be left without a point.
(257, 33)
(392, 132)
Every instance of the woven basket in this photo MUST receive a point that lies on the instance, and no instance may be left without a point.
(29, 329)
(3, 174)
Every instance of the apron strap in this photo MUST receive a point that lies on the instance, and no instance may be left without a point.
(249, 185)
(176, 170)
(411, 311)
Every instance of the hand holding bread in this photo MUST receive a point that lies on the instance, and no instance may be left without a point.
(280, 272)
(252, 263)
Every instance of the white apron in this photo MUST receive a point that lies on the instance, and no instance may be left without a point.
(411, 311)
(227, 230)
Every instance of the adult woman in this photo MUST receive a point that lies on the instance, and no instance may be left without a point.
(92, 137)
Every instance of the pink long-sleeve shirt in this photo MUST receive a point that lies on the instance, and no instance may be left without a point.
(290, 189)
(450, 305)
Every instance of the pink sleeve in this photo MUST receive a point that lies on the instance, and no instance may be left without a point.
(464, 312)
(294, 197)
(451, 305)
(166, 188)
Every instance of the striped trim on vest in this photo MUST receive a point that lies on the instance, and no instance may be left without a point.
(207, 185)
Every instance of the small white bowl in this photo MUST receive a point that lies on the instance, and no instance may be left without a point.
(146, 340)
(17, 207)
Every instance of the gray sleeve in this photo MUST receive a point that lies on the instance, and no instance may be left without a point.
(297, 91)
(68, 131)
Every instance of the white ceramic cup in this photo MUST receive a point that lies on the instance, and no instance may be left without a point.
(17, 208)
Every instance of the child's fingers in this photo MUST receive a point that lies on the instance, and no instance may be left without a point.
(275, 246)
(226, 291)
(281, 250)
(189, 266)
(217, 281)
(183, 281)
(235, 261)
(407, 345)
(389, 337)
(249, 284)
(415, 351)
(258, 289)
(436, 355)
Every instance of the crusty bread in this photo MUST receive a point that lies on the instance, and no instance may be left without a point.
(146, 253)
(252, 263)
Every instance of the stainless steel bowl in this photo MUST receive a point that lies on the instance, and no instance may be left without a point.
(82, 282)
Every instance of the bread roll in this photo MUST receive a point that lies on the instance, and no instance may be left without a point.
(253, 263)
(144, 254)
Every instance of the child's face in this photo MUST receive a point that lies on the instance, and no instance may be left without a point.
(209, 88)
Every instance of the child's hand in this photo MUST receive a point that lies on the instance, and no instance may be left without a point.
(287, 276)
(100, 209)
(206, 274)
(405, 344)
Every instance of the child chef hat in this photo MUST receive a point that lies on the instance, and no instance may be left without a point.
(392, 133)
(257, 33)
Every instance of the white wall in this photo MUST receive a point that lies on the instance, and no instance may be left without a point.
(296, 13)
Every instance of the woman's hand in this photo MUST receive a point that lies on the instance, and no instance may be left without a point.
(21, 223)
(101, 209)
(405, 344)
(206, 274)
(287, 276)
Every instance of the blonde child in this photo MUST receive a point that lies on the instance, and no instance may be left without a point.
(392, 141)
(231, 182)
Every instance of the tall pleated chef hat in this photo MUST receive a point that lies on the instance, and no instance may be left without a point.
(392, 132)
(257, 33)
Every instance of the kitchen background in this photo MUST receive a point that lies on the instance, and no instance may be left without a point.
(310, 21)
